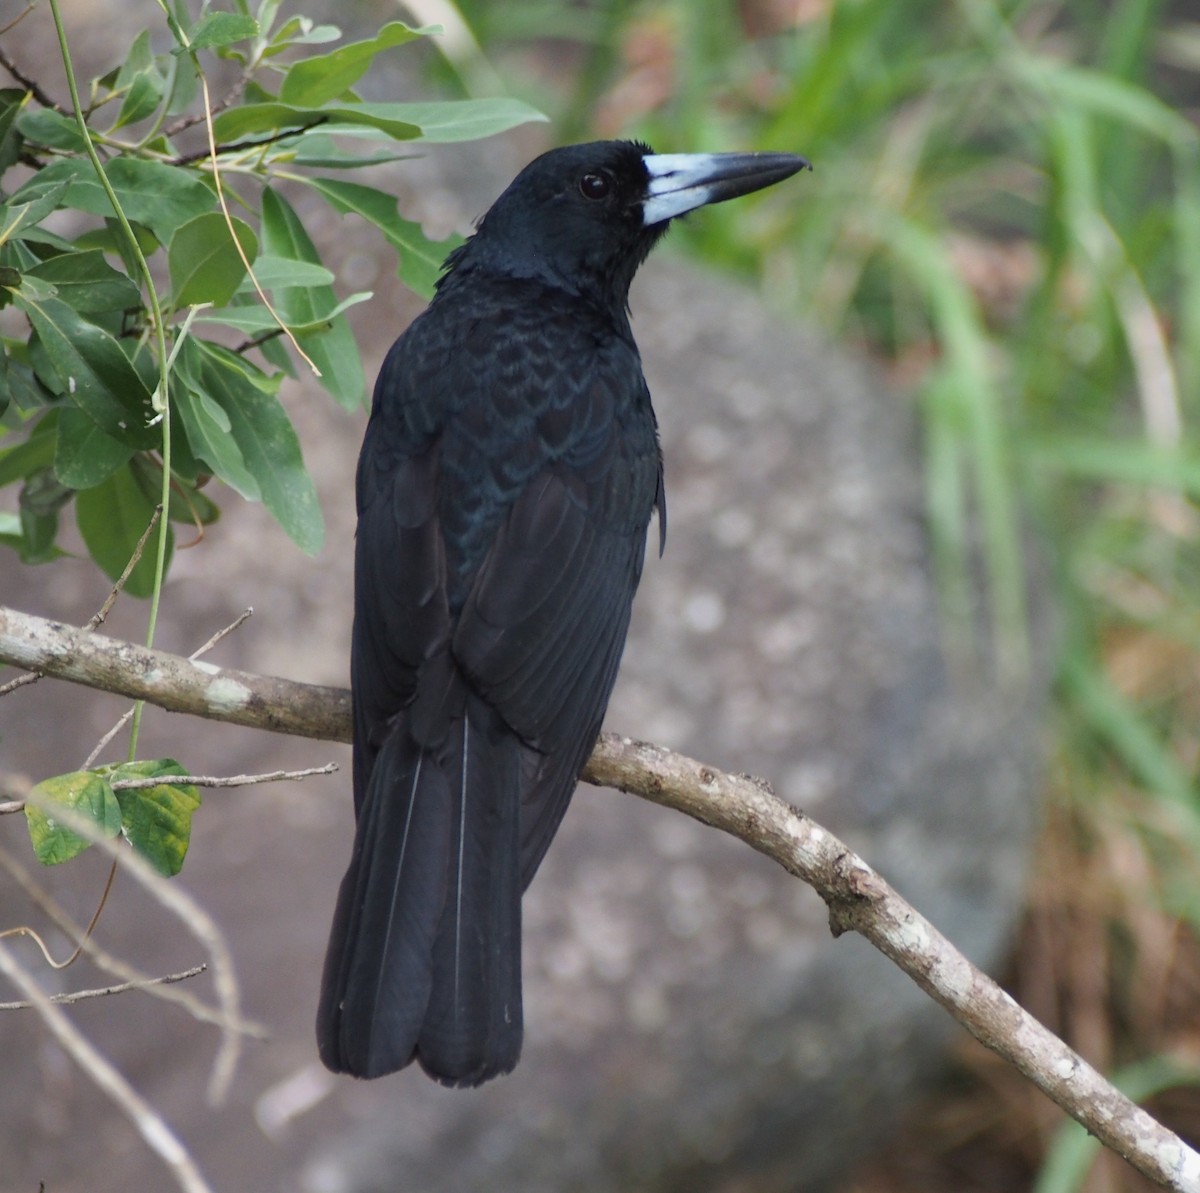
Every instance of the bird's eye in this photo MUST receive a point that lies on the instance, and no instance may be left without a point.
(595, 186)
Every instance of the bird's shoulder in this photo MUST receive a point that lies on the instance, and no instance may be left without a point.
(516, 336)
(514, 374)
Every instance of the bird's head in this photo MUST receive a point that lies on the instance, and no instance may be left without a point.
(583, 217)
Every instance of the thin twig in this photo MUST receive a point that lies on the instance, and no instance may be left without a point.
(199, 155)
(128, 713)
(104, 991)
(97, 618)
(238, 621)
(81, 939)
(98, 749)
(219, 187)
(186, 122)
(200, 924)
(18, 788)
(185, 908)
(153, 1128)
(275, 776)
(111, 964)
(30, 85)
(19, 682)
(29, 7)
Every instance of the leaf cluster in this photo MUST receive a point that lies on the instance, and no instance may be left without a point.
(221, 245)
(155, 819)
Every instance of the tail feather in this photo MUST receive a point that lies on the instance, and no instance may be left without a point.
(473, 1029)
(424, 958)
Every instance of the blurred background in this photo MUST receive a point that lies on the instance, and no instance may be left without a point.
(1004, 225)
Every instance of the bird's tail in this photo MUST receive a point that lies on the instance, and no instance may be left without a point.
(424, 957)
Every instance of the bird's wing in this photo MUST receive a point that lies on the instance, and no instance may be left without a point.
(514, 515)
(400, 612)
(541, 633)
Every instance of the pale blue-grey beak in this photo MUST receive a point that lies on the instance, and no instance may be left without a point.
(681, 182)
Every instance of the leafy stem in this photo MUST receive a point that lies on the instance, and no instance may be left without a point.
(161, 401)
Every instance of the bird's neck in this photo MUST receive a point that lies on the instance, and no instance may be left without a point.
(601, 298)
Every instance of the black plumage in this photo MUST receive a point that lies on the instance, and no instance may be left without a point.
(506, 481)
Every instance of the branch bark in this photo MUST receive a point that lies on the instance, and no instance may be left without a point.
(858, 899)
(179, 685)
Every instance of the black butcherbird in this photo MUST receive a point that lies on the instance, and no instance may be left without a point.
(505, 485)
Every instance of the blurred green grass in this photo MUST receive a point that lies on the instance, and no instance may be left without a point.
(1005, 212)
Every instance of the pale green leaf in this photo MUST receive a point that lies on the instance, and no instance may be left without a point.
(81, 794)
(204, 261)
(156, 821)
(317, 79)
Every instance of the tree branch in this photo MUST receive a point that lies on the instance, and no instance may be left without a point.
(104, 991)
(858, 898)
(171, 682)
(151, 1125)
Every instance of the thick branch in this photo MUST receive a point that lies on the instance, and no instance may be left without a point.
(176, 684)
(859, 900)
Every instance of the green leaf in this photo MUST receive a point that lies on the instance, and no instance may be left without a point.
(236, 124)
(30, 205)
(254, 318)
(204, 261)
(274, 272)
(315, 80)
(184, 89)
(333, 349)
(83, 793)
(159, 196)
(267, 441)
(43, 126)
(12, 103)
(85, 281)
(315, 150)
(1121, 459)
(300, 31)
(139, 57)
(85, 455)
(10, 531)
(218, 29)
(207, 426)
(188, 505)
(42, 496)
(141, 81)
(35, 453)
(111, 518)
(156, 821)
(89, 366)
(420, 258)
(445, 121)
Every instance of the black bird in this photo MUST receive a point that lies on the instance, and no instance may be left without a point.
(505, 486)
